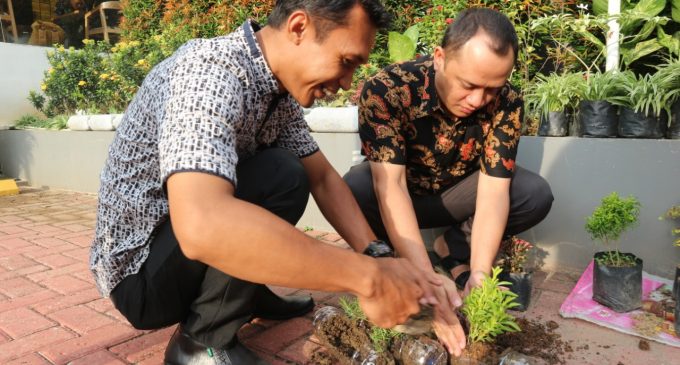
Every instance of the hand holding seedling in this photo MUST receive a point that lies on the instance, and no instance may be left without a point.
(446, 325)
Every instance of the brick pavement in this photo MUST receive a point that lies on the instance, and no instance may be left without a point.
(51, 313)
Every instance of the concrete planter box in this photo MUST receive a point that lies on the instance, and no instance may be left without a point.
(580, 170)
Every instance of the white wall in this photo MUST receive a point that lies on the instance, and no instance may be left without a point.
(21, 70)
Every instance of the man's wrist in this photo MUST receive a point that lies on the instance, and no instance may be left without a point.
(378, 248)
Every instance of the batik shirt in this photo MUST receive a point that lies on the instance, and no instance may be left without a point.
(203, 109)
(401, 121)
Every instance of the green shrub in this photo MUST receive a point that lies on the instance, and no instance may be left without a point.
(674, 213)
(609, 220)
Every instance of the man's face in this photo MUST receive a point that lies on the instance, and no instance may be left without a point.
(469, 78)
(328, 65)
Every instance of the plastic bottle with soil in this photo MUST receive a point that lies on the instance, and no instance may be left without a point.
(419, 351)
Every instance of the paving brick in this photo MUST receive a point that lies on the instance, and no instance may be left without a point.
(26, 300)
(101, 305)
(55, 260)
(21, 322)
(22, 272)
(81, 254)
(154, 359)
(59, 302)
(94, 340)
(42, 228)
(25, 345)
(48, 241)
(54, 250)
(20, 251)
(82, 241)
(31, 359)
(10, 218)
(274, 339)
(14, 243)
(84, 274)
(249, 330)
(65, 284)
(18, 287)
(145, 346)
(299, 352)
(81, 318)
(101, 357)
(16, 262)
(50, 274)
(75, 227)
(14, 230)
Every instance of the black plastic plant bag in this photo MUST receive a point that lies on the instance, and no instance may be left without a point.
(674, 127)
(618, 288)
(676, 322)
(556, 124)
(598, 118)
(520, 284)
(638, 125)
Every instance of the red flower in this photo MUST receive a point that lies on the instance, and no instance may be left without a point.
(449, 20)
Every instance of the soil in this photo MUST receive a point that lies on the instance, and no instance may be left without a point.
(647, 323)
(643, 345)
(536, 339)
(477, 353)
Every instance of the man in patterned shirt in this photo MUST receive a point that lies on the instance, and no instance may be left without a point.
(209, 171)
(440, 135)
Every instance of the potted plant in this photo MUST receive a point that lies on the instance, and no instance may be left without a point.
(617, 276)
(553, 97)
(641, 114)
(674, 213)
(668, 75)
(598, 116)
(513, 256)
(485, 311)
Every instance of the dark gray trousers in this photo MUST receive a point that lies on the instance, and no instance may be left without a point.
(210, 305)
(530, 201)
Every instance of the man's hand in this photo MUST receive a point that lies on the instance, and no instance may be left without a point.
(400, 288)
(475, 280)
(446, 325)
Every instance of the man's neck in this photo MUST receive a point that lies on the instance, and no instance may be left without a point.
(267, 38)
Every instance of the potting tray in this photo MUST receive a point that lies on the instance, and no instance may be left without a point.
(580, 304)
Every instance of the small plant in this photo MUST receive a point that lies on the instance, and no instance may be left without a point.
(608, 221)
(486, 309)
(673, 213)
(402, 47)
(31, 121)
(602, 86)
(553, 93)
(514, 255)
(380, 337)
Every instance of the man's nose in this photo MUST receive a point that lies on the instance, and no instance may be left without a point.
(346, 81)
(476, 98)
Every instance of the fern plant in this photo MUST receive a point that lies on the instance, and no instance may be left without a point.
(553, 93)
(486, 309)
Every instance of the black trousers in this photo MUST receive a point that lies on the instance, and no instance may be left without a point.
(210, 305)
(530, 201)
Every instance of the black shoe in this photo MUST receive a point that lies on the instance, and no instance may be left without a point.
(183, 350)
(268, 305)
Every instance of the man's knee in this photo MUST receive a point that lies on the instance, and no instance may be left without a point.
(360, 182)
(533, 195)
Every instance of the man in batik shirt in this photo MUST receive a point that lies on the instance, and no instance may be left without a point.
(440, 136)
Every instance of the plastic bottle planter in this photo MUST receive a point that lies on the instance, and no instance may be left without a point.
(520, 284)
(598, 118)
(556, 124)
(476, 353)
(347, 340)
(640, 125)
(619, 288)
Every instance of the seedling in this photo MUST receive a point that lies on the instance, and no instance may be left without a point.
(380, 337)
(608, 221)
(486, 309)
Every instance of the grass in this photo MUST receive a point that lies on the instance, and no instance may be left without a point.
(380, 337)
(31, 121)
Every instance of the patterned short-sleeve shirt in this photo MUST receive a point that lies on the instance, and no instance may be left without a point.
(401, 121)
(202, 109)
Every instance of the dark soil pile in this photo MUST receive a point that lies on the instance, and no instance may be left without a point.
(536, 339)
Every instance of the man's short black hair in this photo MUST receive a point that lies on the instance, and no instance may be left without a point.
(329, 14)
(468, 23)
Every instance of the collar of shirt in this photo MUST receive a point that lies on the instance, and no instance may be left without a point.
(431, 104)
(269, 84)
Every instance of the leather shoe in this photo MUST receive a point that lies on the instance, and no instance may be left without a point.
(268, 305)
(183, 350)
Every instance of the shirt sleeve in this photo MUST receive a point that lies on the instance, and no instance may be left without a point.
(197, 131)
(500, 144)
(380, 122)
(294, 132)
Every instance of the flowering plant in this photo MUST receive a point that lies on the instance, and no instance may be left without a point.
(514, 254)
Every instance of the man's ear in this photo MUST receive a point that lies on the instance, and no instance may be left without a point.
(439, 58)
(299, 26)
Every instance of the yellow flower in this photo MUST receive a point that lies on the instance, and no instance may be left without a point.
(43, 87)
(87, 41)
(134, 43)
(104, 76)
(50, 70)
(61, 49)
(141, 62)
(82, 83)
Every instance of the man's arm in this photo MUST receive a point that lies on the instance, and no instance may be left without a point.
(249, 242)
(336, 202)
(491, 216)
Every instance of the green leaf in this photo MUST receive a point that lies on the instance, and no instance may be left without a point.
(650, 7)
(400, 47)
(600, 7)
(641, 49)
(675, 10)
(413, 33)
(670, 42)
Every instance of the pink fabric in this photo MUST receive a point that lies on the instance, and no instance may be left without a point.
(579, 304)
